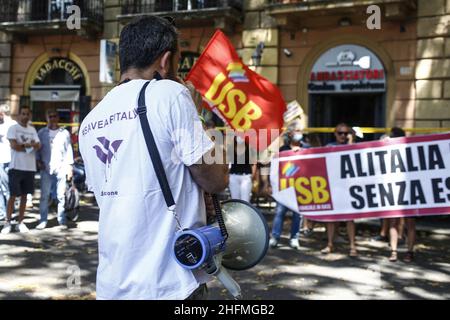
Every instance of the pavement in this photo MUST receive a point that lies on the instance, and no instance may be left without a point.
(61, 264)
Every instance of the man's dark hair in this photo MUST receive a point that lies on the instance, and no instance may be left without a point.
(24, 107)
(397, 132)
(145, 39)
(341, 124)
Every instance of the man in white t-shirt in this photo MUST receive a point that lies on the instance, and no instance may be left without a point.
(5, 157)
(55, 159)
(135, 228)
(24, 142)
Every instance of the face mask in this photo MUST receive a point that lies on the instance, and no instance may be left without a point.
(297, 137)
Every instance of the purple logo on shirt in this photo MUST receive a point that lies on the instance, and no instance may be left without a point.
(108, 151)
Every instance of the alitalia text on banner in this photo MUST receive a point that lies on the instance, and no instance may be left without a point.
(390, 178)
(243, 98)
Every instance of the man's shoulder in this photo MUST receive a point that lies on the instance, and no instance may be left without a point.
(42, 130)
(167, 89)
(169, 84)
(31, 128)
(64, 130)
(63, 133)
(13, 127)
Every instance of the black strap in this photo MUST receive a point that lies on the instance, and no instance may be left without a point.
(153, 149)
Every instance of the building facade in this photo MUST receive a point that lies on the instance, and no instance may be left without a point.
(339, 59)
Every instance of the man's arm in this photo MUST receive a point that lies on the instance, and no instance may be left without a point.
(36, 145)
(213, 178)
(68, 158)
(35, 142)
(16, 146)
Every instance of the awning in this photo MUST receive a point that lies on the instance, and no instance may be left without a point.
(55, 93)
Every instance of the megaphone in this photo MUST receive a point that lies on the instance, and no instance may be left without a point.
(242, 246)
(248, 235)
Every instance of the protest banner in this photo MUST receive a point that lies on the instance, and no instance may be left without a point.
(407, 176)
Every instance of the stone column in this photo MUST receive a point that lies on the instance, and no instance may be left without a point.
(259, 27)
(5, 69)
(433, 64)
(111, 31)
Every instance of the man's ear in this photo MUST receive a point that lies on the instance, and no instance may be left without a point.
(164, 63)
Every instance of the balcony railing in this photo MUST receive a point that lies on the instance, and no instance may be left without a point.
(328, 1)
(222, 14)
(25, 16)
(154, 6)
(292, 11)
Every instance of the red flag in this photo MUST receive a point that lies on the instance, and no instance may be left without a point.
(243, 98)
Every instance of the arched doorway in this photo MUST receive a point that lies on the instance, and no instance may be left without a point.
(347, 79)
(347, 84)
(59, 83)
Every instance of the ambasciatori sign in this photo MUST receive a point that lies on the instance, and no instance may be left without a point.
(347, 68)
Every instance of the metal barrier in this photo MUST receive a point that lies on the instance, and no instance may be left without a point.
(41, 123)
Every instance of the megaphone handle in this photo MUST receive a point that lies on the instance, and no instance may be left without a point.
(229, 283)
(220, 221)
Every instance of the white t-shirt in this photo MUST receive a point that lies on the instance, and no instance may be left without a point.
(52, 134)
(25, 161)
(5, 149)
(135, 229)
(61, 157)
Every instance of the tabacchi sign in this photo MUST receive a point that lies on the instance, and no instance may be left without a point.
(59, 63)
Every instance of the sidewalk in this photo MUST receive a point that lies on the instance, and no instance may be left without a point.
(55, 264)
(50, 263)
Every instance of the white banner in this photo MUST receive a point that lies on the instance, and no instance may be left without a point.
(389, 178)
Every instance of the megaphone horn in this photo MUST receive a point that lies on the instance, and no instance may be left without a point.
(248, 235)
(238, 240)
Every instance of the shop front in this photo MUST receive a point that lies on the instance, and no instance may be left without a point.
(347, 84)
(58, 83)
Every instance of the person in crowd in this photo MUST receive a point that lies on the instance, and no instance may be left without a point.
(395, 229)
(383, 235)
(24, 143)
(242, 171)
(135, 226)
(384, 230)
(343, 135)
(5, 157)
(312, 140)
(55, 160)
(295, 135)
